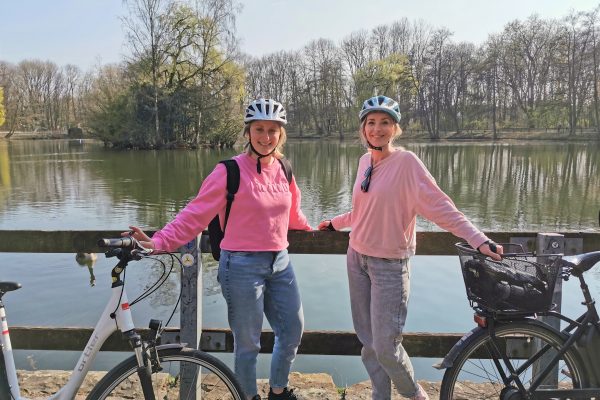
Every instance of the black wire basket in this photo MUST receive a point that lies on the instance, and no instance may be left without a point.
(521, 282)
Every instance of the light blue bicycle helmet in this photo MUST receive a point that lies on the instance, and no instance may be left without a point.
(265, 110)
(383, 104)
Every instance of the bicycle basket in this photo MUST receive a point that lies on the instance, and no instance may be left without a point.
(520, 282)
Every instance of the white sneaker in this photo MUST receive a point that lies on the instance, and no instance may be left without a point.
(421, 394)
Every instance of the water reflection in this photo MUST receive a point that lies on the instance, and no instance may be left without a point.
(510, 186)
(520, 186)
(4, 173)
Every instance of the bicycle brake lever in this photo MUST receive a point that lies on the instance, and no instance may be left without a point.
(113, 252)
(140, 253)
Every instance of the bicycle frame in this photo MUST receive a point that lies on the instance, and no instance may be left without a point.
(584, 321)
(118, 305)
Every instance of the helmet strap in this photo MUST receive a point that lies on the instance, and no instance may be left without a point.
(369, 145)
(258, 167)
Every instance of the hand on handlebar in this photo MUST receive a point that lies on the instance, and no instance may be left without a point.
(139, 235)
(492, 250)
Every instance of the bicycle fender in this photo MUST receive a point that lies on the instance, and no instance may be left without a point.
(448, 361)
(171, 346)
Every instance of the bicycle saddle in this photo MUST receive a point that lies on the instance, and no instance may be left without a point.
(583, 262)
(8, 286)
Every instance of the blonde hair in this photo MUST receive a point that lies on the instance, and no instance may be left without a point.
(363, 139)
(278, 152)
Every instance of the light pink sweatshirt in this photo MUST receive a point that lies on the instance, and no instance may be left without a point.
(263, 210)
(383, 220)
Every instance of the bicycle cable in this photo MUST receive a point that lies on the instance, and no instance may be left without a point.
(159, 282)
(173, 256)
(113, 315)
(155, 286)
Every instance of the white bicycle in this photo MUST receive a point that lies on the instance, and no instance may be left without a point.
(156, 371)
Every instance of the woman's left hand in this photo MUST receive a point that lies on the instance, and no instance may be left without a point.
(324, 225)
(492, 250)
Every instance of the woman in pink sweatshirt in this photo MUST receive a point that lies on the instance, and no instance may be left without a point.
(255, 272)
(392, 187)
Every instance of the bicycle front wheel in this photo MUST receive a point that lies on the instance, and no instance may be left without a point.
(181, 374)
(480, 370)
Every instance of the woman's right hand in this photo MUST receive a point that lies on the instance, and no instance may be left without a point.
(324, 225)
(140, 236)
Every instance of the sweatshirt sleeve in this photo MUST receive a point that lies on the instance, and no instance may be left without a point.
(433, 204)
(342, 221)
(298, 220)
(197, 214)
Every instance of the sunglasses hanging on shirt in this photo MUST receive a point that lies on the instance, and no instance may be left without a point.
(364, 186)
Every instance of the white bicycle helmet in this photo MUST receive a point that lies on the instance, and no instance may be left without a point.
(381, 103)
(265, 110)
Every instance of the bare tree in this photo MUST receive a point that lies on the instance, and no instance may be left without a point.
(592, 26)
(529, 49)
(356, 50)
(146, 33)
(456, 78)
(418, 59)
(576, 41)
(323, 64)
(72, 76)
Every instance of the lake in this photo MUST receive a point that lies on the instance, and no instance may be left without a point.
(65, 185)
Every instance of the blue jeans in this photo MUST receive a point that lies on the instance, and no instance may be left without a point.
(379, 291)
(256, 283)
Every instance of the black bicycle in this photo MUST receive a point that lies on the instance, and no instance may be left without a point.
(511, 354)
(155, 371)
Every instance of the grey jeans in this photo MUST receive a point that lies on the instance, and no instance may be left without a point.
(379, 289)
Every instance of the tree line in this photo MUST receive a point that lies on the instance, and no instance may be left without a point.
(186, 82)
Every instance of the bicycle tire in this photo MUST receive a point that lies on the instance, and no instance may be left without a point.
(472, 377)
(216, 381)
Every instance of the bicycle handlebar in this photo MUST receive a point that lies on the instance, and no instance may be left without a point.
(125, 242)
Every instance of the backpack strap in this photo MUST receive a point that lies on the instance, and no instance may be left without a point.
(287, 168)
(233, 184)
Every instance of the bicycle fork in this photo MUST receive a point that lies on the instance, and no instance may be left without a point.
(9, 385)
(143, 354)
(144, 361)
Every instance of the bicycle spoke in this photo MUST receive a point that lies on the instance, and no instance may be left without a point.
(182, 375)
(483, 369)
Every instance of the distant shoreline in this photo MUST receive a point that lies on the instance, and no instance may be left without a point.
(477, 136)
(480, 136)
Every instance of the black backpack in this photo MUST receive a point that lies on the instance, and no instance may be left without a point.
(233, 184)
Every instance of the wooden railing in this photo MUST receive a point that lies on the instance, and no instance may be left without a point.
(315, 242)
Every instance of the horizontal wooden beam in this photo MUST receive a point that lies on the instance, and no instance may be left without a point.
(301, 242)
(313, 342)
(30, 241)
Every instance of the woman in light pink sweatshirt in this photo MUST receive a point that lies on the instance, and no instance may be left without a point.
(392, 187)
(255, 272)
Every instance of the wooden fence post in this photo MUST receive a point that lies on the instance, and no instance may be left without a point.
(191, 310)
(551, 243)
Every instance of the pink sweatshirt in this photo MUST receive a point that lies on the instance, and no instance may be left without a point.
(263, 210)
(383, 220)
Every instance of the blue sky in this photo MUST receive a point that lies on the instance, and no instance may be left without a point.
(88, 32)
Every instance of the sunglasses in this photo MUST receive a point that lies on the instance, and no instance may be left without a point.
(364, 186)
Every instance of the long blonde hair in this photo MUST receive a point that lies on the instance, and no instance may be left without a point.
(278, 152)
